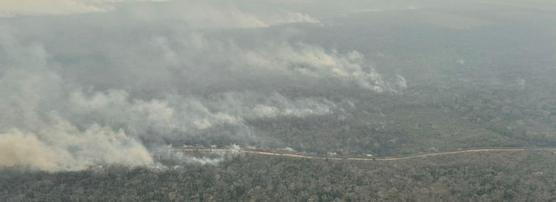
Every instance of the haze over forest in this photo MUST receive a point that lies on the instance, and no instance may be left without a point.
(88, 83)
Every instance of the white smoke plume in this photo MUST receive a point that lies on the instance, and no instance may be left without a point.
(50, 126)
(316, 62)
(112, 91)
(64, 147)
(185, 115)
(301, 61)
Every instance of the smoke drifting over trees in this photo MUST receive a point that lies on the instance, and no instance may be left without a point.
(124, 77)
(110, 82)
(324, 97)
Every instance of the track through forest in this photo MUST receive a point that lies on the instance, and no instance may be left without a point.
(351, 158)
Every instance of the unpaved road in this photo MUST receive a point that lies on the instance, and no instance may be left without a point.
(338, 158)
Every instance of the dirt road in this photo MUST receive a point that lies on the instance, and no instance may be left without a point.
(338, 158)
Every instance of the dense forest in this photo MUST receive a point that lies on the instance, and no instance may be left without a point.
(512, 176)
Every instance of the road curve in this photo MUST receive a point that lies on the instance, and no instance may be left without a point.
(338, 158)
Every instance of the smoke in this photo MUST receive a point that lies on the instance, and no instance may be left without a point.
(315, 62)
(180, 117)
(42, 120)
(175, 158)
(299, 61)
(177, 72)
(64, 147)
(51, 126)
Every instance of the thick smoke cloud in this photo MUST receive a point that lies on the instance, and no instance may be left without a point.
(64, 147)
(177, 117)
(160, 75)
